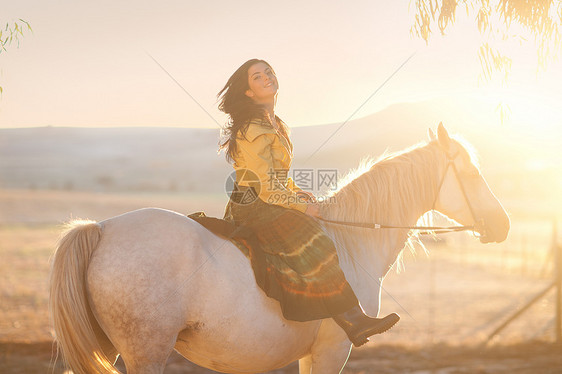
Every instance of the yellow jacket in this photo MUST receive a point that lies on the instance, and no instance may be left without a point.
(268, 155)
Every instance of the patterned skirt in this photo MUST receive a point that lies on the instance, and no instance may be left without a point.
(294, 261)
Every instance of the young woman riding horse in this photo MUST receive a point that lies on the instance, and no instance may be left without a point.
(294, 261)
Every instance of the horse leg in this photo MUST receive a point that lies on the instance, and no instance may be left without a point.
(139, 363)
(146, 356)
(330, 350)
(305, 365)
(105, 344)
(155, 368)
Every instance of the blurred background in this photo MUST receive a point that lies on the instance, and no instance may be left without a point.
(111, 107)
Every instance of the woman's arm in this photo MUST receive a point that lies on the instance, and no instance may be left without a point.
(313, 210)
(259, 159)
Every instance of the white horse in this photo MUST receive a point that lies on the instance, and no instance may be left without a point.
(150, 281)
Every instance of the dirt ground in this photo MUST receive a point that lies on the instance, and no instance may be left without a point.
(450, 301)
(525, 358)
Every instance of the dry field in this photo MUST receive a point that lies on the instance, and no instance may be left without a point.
(450, 301)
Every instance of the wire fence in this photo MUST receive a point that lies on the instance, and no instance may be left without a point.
(462, 291)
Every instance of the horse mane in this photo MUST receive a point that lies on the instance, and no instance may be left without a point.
(393, 190)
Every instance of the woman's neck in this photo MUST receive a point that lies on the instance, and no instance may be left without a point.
(270, 110)
(272, 118)
(269, 106)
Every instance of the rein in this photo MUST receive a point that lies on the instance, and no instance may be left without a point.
(425, 230)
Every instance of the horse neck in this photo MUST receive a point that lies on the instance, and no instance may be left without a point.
(395, 191)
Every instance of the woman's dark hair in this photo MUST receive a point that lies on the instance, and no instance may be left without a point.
(240, 108)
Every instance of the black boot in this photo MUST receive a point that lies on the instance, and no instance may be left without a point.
(359, 327)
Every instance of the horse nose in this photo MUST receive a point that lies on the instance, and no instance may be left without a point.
(495, 230)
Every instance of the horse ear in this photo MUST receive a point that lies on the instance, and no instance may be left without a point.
(443, 136)
(431, 135)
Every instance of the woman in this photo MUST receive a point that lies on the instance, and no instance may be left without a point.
(294, 261)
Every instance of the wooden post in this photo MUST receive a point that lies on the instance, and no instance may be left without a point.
(557, 249)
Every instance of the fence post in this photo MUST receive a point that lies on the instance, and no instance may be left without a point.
(557, 249)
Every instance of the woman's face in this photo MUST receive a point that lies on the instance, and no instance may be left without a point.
(262, 82)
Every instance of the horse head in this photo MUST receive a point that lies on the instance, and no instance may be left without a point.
(464, 195)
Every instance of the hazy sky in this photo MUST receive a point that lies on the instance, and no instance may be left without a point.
(89, 63)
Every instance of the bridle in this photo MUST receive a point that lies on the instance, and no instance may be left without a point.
(424, 230)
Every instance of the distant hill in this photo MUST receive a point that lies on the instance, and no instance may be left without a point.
(110, 158)
(186, 159)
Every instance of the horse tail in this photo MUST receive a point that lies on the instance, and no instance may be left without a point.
(74, 323)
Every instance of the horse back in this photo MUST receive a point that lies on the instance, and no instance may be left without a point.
(159, 276)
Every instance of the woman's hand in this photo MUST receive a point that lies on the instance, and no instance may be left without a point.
(313, 210)
(308, 196)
